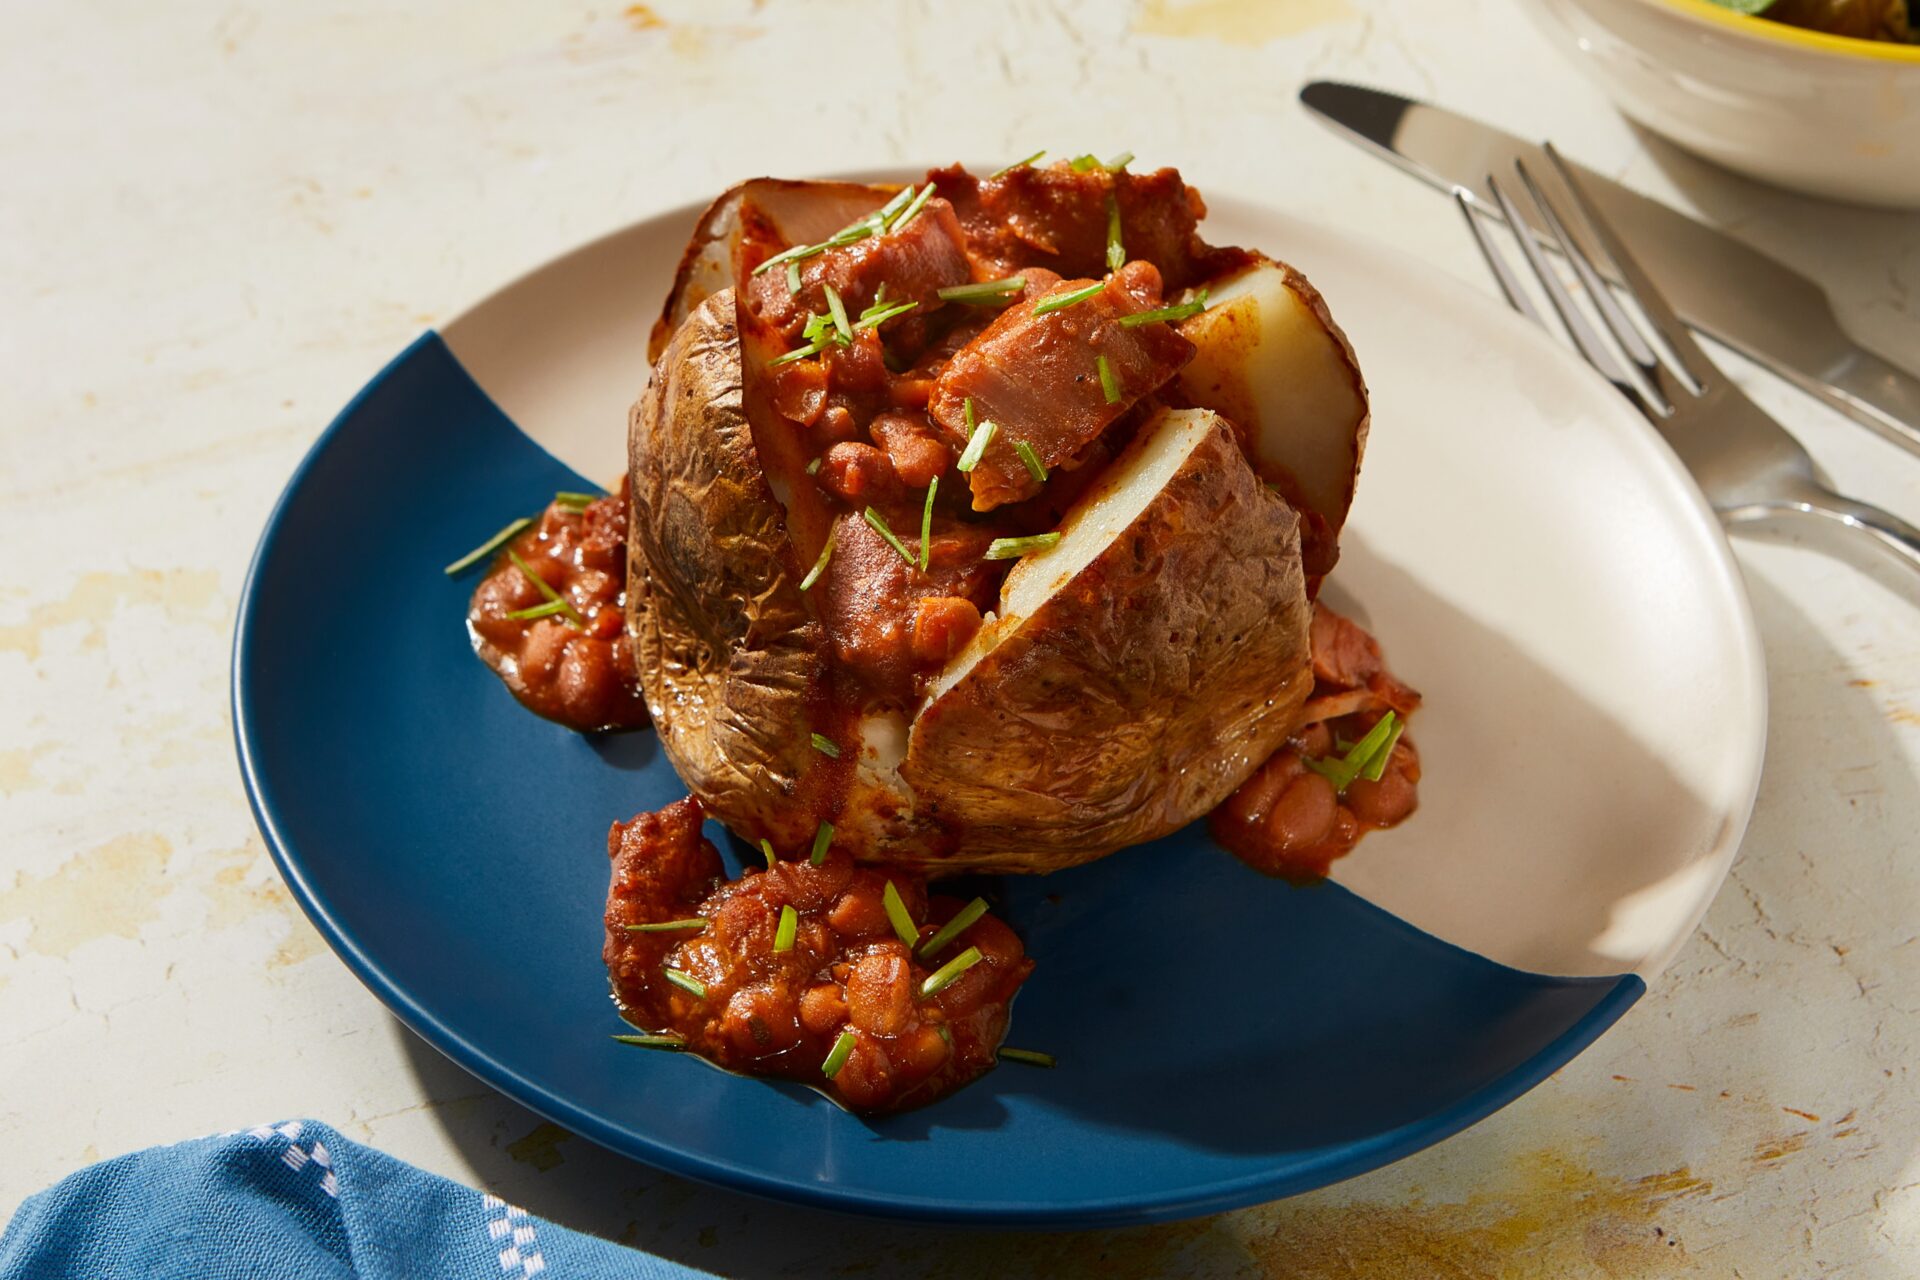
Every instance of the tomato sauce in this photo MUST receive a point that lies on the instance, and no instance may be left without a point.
(572, 665)
(835, 997)
(1291, 820)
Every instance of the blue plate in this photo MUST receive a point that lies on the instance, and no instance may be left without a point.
(1222, 1038)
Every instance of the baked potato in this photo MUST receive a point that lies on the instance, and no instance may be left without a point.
(808, 659)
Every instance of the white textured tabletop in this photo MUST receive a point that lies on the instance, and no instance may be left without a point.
(221, 218)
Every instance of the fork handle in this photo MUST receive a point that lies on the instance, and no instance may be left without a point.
(1888, 529)
(1877, 394)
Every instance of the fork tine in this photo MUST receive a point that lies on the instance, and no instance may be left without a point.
(1496, 261)
(1652, 303)
(1597, 353)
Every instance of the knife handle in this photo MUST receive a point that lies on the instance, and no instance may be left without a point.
(1875, 393)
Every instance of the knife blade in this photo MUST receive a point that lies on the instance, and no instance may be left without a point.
(1758, 306)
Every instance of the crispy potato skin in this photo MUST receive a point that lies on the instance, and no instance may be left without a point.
(1140, 695)
(729, 657)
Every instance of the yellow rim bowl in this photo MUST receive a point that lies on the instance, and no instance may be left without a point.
(1780, 32)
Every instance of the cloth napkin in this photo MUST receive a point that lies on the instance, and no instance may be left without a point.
(292, 1200)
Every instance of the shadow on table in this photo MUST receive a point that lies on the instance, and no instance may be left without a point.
(571, 1181)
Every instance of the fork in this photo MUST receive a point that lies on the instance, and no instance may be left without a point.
(1745, 462)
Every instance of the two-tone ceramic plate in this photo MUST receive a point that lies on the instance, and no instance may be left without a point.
(1533, 558)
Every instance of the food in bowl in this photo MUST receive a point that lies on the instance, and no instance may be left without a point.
(973, 526)
(1859, 19)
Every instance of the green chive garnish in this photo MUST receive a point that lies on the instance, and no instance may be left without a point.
(826, 747)
(949, 973)
(820, 565)
(766, 851)
(1377, 766)
(1058, 301)
(566, 605)
(1017, 164)
(838, 309)
(880, 526)
(488, 547)
(786, 255)
(692, 924)
(822, 839)
(926, 523)
(687, 983)
(813, 468)
(546, 610)
(1014, 548)
(1032, 459)
(918, 202)
(1084, 164)
(1342, 771)
(962, 921)
(1179, 311)
(575, 501)
(984, 292)
(1031, 1057)
(871, 319)
(793, 276)
(892, 206)
(788, 927)
(978, 438)
(838, 1055)
(897, 914)
(1109, 385)
(945, 1034)
(654, 1042)
(798, 353)
(1116, 251)
(1120, 161)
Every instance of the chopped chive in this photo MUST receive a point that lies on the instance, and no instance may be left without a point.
(1377, 767)
(926, 523)
(822, 840)
(813, 468)
(1179, 311)
(1084, 164)
(826, 747)
(1032, 459)
(1060, 301)
(978, 439)
(785, 255)
(871, 319)
(913, 207)
(880, 526)
(687, 983)
(1030, 1057)
(945, 1034)
(654, 1042)
(545, 609)
(1017, 164)
(789, 926)
(798, 353)
(838, 1055)
(1014, 548)
(820, 565)
(859, 229)
(692, 924)
(1116, 249)
(983, 292)
(898, 916)
(894, 203)
(1120, 162)
(575, 501)
(488, 547)
(566, 605)
(839, 311)
(949, 973)
(766, 851)
(1109, 385)
(962, 921)
(793, 276)
(1341, 772)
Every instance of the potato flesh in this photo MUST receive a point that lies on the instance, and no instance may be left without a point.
(1269, 361)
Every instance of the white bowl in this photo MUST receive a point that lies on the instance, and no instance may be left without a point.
(1828, 115)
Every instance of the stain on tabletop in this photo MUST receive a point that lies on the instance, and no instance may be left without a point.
(1243, 22)
(94, 598)
(110, 890)
(541, 1147)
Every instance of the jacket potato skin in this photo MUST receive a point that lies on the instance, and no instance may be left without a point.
(730, 660)
(1143, 690)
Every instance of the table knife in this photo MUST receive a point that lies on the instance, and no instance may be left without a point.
(1757, 306)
